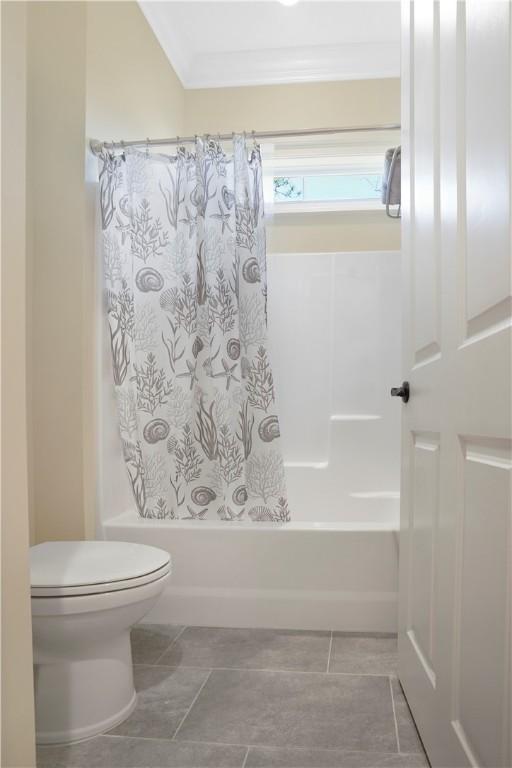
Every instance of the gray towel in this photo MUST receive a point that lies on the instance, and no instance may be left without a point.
(391, 193)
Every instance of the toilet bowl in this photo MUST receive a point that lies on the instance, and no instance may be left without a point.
(86, 596)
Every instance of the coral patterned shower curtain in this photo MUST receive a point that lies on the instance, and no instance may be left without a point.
(185, 273)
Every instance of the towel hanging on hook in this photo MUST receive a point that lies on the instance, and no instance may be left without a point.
(391, 181)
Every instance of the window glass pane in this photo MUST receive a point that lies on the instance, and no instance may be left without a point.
(342, 187)
(328, 187)
(288, 188)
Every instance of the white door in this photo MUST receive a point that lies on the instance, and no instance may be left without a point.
(456, 533)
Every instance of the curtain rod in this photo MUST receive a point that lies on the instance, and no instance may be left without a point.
(98, 146)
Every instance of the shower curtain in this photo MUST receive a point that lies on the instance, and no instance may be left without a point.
(185, 273)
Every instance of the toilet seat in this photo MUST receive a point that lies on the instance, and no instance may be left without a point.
(80, 568)
(99, 589)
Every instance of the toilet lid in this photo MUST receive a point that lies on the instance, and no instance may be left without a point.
(102, 565)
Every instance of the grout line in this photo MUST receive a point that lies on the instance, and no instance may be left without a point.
(236, 744)
(168, 648)
(246, 756)
(394, 712)
(193, 702)
(329, 655)
(268, 669)
(167, 738)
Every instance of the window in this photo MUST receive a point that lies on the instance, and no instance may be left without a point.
(328, 187)
(324, 177)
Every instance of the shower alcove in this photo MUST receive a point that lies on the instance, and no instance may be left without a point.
(334, 330)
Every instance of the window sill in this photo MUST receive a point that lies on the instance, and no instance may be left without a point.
(326, 207)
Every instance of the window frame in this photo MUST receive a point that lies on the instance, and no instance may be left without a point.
(324, 206)
(351, 164)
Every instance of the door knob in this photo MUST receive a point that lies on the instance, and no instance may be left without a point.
(402, 391)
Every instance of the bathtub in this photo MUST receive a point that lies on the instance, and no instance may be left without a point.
(331, 576)
(335, 567)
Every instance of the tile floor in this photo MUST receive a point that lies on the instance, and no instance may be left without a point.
(256, 698)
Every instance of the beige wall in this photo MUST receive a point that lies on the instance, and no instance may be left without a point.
(332, 232)
(17, 702)
(132, 90)
(95, 71)
(56, 137)
(300, 105)
(310, 105)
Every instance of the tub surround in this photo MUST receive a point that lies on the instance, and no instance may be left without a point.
(336, 352)
(334, 365)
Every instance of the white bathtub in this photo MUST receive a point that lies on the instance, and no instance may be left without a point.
(335, 566)
(333, 576)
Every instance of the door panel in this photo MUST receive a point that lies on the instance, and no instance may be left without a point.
(481, 709)
(456, 521)
(487, 155)
(423, 212)
(424, 515)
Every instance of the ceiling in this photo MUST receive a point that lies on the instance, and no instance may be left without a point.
(218, 44)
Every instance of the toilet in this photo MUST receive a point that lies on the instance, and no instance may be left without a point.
(86, 596)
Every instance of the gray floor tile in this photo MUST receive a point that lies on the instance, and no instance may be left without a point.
(149, 641)
(364, 654)
(407, 733)
(124, 752)
(164, 695)
(250, 649)
(275, 757)
(284, 708)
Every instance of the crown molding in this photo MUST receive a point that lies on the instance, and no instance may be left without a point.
(353, 61)
(293, 65)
